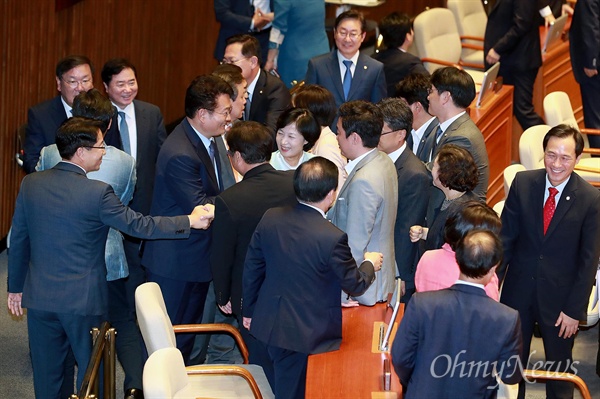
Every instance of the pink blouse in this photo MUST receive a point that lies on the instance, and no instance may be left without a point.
(438, 269)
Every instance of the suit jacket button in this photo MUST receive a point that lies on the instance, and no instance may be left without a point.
(541, 256)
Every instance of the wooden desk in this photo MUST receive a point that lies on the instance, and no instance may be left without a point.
(495, 119)
(354, 371)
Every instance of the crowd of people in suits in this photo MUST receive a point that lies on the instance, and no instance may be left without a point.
(375, 145)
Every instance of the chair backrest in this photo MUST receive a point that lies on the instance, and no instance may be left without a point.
(436, 36)
(498, 207)
(558, 109)
(164, 374)
(509, 175)
(531, 151)
(471, 20)
(153, 318)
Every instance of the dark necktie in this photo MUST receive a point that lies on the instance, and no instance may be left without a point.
(347, 79)
(213, 152)
(549, 208)
(124, 131)
(438, 134)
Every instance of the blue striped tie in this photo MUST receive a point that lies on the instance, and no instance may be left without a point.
(347, 79)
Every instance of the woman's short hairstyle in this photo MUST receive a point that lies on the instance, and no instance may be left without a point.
(305, 122)
(472, 215)
(317, 100)
(457, 169)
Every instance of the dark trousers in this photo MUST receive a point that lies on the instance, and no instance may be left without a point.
(290, 372)
(50, 337)
(559, 352)
(523, 95)
(185, 304)
(590, 92)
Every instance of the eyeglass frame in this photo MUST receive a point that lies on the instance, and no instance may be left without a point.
(351, 35)
(73, 84)
(224, 61)
(103, 147)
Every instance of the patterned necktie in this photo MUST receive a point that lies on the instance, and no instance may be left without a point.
(124, 131)
(347, 78)
(549, 208)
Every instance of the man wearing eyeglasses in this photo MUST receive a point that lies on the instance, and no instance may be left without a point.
(268, 96)
(551, 239)
(188, 173)
(345, 72)
(74, 74)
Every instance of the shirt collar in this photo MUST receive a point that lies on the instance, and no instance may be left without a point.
(205, 140)
(352, 164)
(313, 207)
(396, 154)
(444, 125)
(354, 58)
(67, 107)
(252, 86)
(469, 283)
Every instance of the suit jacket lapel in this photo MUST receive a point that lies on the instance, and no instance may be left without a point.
(201, 152)
(141, 122)
(257, 95)
(359, 71)
(567, 198)
(334, 72)
(362, 163)
(227, 177)
(59, 115)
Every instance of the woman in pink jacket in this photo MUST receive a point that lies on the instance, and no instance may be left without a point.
(437, 268)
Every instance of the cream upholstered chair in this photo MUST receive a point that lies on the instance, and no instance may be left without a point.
(509, 175)
(531, 151)
(471, 20)
(159, 333)
(166, 377)
(438, 42)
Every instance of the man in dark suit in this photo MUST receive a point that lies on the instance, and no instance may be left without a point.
(512, 37)
(477, 332)
(414, 182)
(414, 89)
(74, 74)
(584, 45)
(551, 238)
(345, 72)
(56, 265)
(398, 63)
(243, 16)
(268, 96)
(188, 174)
(452, 91)
(296, 265)
(240, 208)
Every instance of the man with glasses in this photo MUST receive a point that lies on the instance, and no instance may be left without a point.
(268, 96)
(345, 72)
(551, 239)
(74, 74)
(188, 173)
(413, 187)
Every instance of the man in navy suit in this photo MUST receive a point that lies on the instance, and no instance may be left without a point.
(187, 175)
(74, 74)
(450, 341)
(398, 63)
(345, 72)
(552, 257)
(240, 208)
(414, 89)
(584, 45)
(268, 96)
(414, 182)
(56, 267)
(243, 16)
(296, 265)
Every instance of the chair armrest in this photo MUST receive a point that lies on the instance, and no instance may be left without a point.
(440, 62)
(557, 376)
(471, 46)
(587, 169)
(588, 130)
(218, 328)
(593, 151)
(227, 370)
(467, 37)
(472, 65)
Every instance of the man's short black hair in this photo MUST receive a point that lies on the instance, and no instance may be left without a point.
(250, 45)
(415, 88)
(231, 74)
(93, 105)
(77, 132)
(457, 82)
(365, 119)
(70, 62)
(396, 114)
(115, 67)
(352, 14)
(478, 252)
(202, 93)
(562, 131)
(314, 179)
(394, 28)
(252, 140)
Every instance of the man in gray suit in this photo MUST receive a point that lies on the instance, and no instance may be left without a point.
(366, 205)
(452, 91)
(56, 266)
(414, 182)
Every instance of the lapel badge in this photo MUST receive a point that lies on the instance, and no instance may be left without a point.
(260, 91)
(365, 67)
(568, 198)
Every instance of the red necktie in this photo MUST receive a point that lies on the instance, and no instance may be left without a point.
(549, 208)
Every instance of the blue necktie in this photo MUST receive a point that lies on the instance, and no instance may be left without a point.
(438, 133)
(347, 78)
(124, 131)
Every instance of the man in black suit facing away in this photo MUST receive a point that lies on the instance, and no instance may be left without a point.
(240, 208)
(414, 182)
(398, 35)
(551, 238)
(296, 265)
(74, 74)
